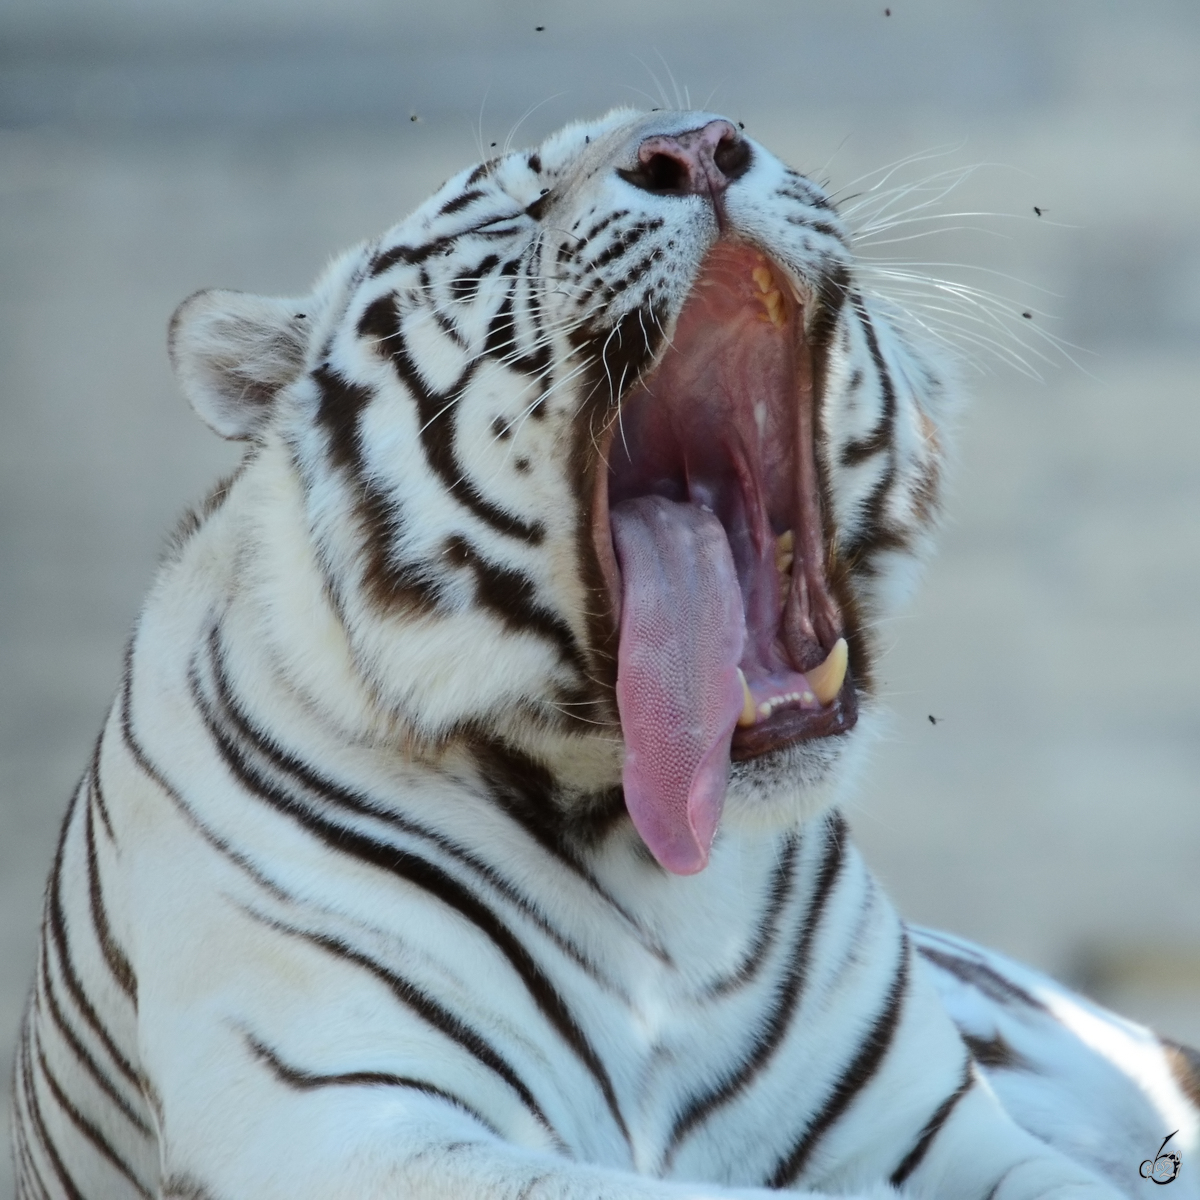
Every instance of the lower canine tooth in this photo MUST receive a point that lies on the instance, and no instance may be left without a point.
(748, 715)
(785, 550)
(827, 679)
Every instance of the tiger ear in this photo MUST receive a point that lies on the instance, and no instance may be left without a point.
(233, 353)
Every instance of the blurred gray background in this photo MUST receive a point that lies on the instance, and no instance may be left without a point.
(152, 147)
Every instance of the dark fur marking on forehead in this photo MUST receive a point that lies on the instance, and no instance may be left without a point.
(385, 260)
(461, 201)
(436, 412)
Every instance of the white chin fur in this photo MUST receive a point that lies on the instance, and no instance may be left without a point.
(788, 787)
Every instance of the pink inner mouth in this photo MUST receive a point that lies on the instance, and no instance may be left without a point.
(712, 461)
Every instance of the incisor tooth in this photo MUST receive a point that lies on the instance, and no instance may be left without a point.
(827, 679)
(747, 716)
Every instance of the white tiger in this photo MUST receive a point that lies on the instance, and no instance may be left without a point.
(464, 824)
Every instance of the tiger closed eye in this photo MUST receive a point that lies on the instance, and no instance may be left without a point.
(467, 819)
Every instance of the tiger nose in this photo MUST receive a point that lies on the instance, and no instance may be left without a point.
(700, 162)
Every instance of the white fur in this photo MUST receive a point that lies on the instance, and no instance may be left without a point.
(297, 820)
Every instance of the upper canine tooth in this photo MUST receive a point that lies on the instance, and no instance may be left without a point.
(775, 309)
(762, 276)
(747, 716)
(826, 680)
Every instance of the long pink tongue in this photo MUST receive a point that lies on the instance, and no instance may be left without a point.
(678, 692)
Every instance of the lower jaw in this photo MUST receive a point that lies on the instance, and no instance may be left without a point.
(789, 727)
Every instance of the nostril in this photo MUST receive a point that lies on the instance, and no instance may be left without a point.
(661, 173)
(666, 174)
(732, 157)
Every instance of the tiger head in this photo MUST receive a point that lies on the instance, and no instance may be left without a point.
(606, 468)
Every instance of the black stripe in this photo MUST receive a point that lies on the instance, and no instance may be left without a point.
(149, 769)
(460, 201)
(430, 878)
(410, 255)
(114, 956)
(511, 597)
(86, 1127)
(786, 997)
(28, 1175)
(429, 1010)
(523, 788)
(34, 1109)
(66, 968)
(619, 354)
(306, 1081)
(89, 1064)
(502, 339)
(995, 1053)
(880, 438)
(912, 1160)
(389, 580)
(385, 260)
(97, 798)
(28, 1171)
(184, 1187)
(435, 410)
(874, 1047)
(875, 534)
(624, 242)
(465, 287)
(341, 797)
(981, 977)
(783, 880)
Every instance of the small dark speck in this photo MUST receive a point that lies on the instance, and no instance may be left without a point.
(1027, 315)
(493, 145)
(500, 429)
(932, 719)
(539, 29)
(301, 316)
(544, 191)
(887, 12)
(1037, 210)
(587, 141)
(741, 124)
(656, 110)
(522, 464)
(414, 117)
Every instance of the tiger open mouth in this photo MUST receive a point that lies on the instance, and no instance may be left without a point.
(731, 641)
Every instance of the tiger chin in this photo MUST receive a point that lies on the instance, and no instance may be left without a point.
(465, 824)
